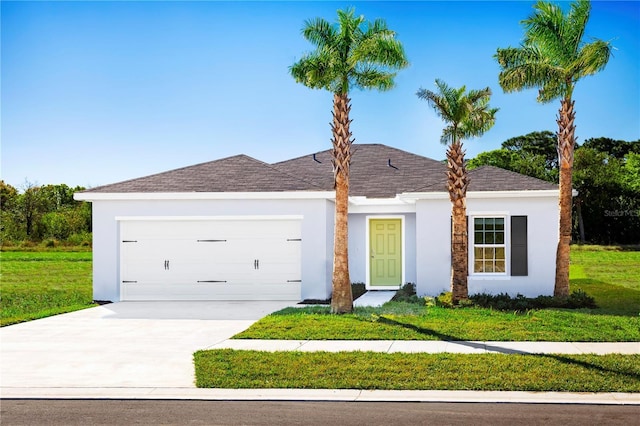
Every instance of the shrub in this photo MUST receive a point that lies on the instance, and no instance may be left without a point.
(407, 293)
(503, 302)
(80, 239)
(444, 300)
(578, 299)
(358, 289)
(49, 243)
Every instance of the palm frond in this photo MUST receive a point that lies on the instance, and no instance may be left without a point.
(374, 78)
(319, 32)
(544, 28)
(553, 56)
(350, 52)
(466, 114)
(314, 70)
(592, 58)
(576, 24)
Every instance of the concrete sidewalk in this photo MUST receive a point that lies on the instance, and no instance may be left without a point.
(346, 395)
(433, 346)
(144, 350)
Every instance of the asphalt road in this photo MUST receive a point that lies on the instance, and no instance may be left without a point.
(155, 412)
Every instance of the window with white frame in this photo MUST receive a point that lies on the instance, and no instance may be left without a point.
(489, 245)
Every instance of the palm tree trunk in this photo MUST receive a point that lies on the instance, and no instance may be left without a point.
(341, 298)
(566, 142)
(457, 186)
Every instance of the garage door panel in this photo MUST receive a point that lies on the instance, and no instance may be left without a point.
(211, 260)
(213, 291)
(223, 229)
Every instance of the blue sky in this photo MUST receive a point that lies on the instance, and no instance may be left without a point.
(97, 92)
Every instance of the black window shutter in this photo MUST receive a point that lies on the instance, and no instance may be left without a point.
(519, 262)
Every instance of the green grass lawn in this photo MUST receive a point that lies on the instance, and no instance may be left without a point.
(612, 277)
(37, 284)
(368, 370)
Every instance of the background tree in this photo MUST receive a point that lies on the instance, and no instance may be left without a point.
(552, 58)
(9, 224)
(40, 212)
(467, 115)
(352, 53)
(30, 207)
(632, 172)
(606, 175)
(616, 148)
(533, 154)
(610, 205)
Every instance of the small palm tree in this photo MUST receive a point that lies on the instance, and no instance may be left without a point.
(552, 58)
(467, 115)
(351, 53)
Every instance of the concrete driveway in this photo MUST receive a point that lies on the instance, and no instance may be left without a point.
(121, 345)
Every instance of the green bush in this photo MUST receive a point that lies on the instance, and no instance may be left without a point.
(578, 299)
(83, 239)
(444, 300)
(503, 302)
(49, 243)
(407, 293)
(358, 289)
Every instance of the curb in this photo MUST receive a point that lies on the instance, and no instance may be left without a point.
(345, 395)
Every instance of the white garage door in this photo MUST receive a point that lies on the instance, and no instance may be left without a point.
(225, 259)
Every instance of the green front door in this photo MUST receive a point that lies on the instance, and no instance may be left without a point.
(385, 249)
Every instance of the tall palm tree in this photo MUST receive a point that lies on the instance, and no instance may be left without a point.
(552, 58)
(467, 115)
(350, 53)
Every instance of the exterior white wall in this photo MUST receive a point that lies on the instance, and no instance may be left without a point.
(427, 244)
(542, 241)
(330, 210)
(316, 283)
(433, 243)
(433, 246)
(358, 251)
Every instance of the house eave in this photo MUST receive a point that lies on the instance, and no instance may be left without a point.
(540, 193)
(360, 204)
(145, 196)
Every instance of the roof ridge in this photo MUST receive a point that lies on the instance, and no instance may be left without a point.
(356, 146)
(273, 167)
(299, 157)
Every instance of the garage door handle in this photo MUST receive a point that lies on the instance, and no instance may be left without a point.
(166, 265)
(256, 264)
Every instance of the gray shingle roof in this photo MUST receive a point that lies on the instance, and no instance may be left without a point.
(377, 171)
(490, 178)
(239, 173)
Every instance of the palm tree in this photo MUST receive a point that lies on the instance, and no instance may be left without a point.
(467, 115)
(552, 58)
(350, 53)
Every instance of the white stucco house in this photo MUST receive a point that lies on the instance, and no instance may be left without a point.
(240, 229)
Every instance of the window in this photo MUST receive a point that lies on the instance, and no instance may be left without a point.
(489, 245)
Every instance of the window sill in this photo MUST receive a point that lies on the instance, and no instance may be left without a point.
(486, 277)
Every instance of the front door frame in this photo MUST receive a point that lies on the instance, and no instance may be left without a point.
(367, 252)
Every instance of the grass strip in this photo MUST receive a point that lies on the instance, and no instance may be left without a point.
(397, 321)
(610, 274)
(41, 284)
(227, 368)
